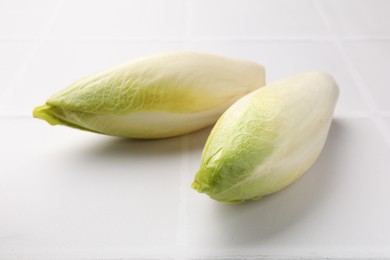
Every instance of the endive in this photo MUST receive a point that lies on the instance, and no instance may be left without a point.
(157, 96)
(267, 139)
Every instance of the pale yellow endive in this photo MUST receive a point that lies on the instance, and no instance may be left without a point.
(157, 96)
(267, 139)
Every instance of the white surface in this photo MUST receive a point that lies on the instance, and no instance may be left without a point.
(68, 194)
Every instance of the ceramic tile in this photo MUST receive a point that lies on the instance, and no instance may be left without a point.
(120, 19)
(73, 194)
(13, 54)
(371, 60)
(25, 19)
(364, 18)
(335, 208)
(252, 18)
(387, 125)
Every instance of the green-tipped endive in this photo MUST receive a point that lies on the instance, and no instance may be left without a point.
(267, 139)
(157, 96)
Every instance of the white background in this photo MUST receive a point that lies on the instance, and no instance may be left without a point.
(69, 194)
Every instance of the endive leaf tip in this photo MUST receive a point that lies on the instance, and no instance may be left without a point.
(320, 74)
(44, 112)
(325, 77)
(329, 78)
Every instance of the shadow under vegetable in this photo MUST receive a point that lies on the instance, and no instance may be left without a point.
(256, 222)
(125, 148)
(246, 224)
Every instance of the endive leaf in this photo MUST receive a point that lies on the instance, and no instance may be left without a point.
(156, 96)
(267, 139)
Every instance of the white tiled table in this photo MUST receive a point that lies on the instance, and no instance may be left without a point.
(67, 194)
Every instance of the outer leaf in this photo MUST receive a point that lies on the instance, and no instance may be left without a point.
(267, 139)
(157, 96)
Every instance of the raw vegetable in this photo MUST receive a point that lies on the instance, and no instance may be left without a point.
(158, 96)
(267, 139)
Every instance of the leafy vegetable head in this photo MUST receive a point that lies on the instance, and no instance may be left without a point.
(157, 96)
(267, 139)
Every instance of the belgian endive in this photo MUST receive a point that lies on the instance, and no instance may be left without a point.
(267, 139)
(157, 96)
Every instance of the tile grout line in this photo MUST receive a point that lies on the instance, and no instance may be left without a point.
(180, 39)
(37, 42)
(182, 228)
(182, 218)
(366, 96)
(365, 93)
(318, 38)
(375, 115)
